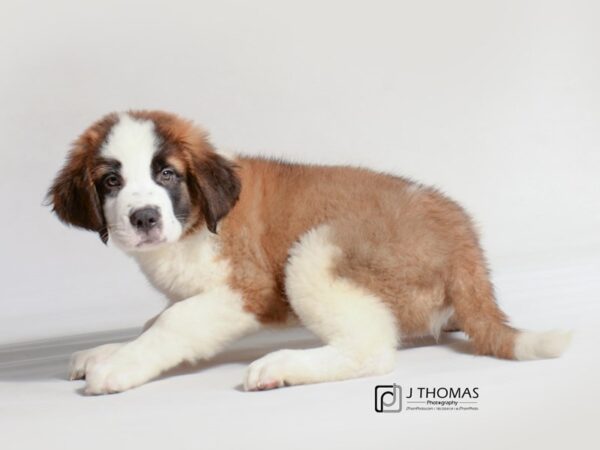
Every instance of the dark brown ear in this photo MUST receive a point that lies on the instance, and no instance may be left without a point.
(74, 198)
(214, 181)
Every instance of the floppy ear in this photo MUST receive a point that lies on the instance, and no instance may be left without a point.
(216, 185)
(73, 195)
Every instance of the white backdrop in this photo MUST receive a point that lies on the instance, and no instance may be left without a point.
(495, 102)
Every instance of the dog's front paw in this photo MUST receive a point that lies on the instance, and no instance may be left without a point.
(117, 373)
(79, 360)
(272, 371)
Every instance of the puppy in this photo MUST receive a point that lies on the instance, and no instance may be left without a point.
(362, 259)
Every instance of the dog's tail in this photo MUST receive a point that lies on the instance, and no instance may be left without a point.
(477, 314)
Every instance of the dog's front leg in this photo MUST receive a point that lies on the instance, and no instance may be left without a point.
(190, 330)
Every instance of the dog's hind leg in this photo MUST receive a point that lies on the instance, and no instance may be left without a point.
(359, 331)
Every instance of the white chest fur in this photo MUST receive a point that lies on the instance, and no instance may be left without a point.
(188, 267)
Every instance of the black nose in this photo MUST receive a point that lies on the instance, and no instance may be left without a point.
(145, 219)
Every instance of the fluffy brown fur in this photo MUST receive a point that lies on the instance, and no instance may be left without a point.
(411, 246)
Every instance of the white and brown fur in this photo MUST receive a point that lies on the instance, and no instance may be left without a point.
(362, 259)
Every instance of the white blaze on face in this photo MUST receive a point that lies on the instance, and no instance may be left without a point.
(133, 143)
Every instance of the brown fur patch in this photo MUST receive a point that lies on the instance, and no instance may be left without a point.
(412, 247)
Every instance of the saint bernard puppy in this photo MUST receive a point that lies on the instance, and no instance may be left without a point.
(362, 259)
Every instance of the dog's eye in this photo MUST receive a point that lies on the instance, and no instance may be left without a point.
(112, 181)
(166, 175)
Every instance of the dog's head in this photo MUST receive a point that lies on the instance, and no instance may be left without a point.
(144, 178)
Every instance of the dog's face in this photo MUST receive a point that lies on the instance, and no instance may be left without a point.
(144, 179)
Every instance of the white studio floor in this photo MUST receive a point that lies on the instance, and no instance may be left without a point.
(542, 404)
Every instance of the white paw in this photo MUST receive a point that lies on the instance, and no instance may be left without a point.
(327, 363)
(116, 373)
(79, 360)
(274, 370)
